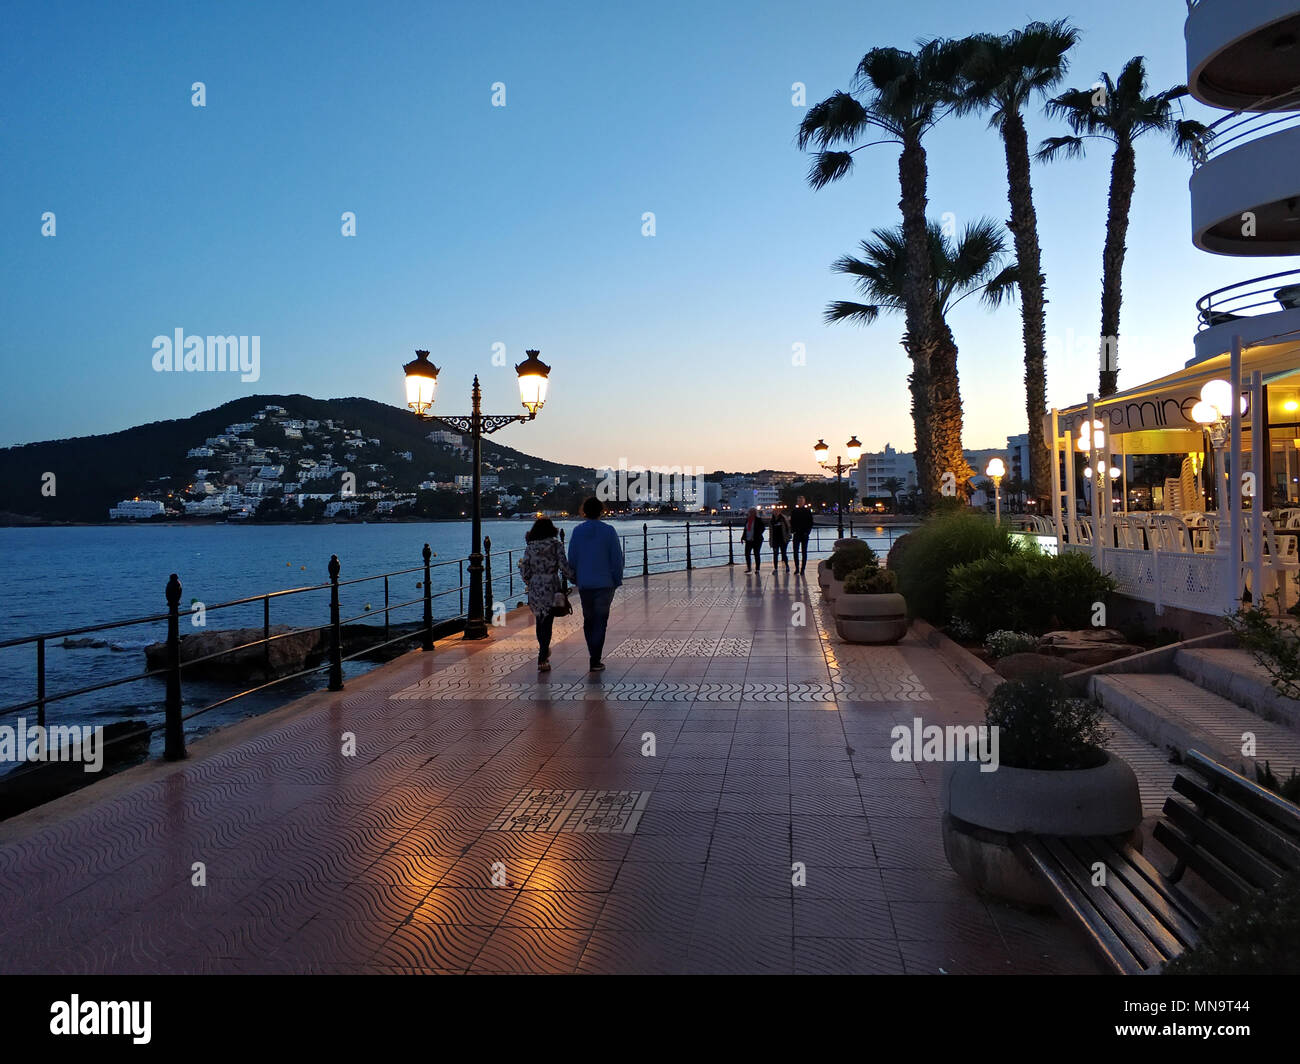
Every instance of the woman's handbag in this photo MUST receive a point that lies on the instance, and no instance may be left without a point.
(560, 604)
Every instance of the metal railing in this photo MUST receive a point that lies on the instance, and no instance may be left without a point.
(645, 554)
(1247, 124)
(1245, 299)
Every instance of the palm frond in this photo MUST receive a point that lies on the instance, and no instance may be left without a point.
(828, 166)
(1191, 139)
(838, 119)
(857, 313)
(1059, 147)
(1002, 288)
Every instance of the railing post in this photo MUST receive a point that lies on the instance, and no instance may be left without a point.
(487, 579)
(40, 682)
(645, 549)
(462, 587)
(731, 544)
(266, 634)
(510, 564)
(386, 635)
(688, 547)
(174, 729)
(336, 634)
(428, 602)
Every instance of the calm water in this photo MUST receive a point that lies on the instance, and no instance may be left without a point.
(60, 578)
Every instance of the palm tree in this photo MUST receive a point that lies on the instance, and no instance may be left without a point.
(903, 95)
(1003, 75)
(970, 264)
(893, 485)
(1120, 111)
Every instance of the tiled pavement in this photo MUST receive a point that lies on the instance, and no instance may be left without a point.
(763, 742)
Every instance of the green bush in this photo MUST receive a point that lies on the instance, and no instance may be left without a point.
(853, 555)
(896, 550)
(1288, 788)
(871, 580)
(939, 545)
(1257, 937)
(1026, 591)
(1275, 646)
(1041, 725)
(1004, 643)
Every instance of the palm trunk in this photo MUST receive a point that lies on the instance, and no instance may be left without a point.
(947, 410)
(919, 300)
(1024, 229)
(1123, 178)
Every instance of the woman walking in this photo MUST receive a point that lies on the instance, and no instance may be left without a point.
(779, 531)
(753, 539)
(542, 567)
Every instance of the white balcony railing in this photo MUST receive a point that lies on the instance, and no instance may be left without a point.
(1245, 299)
(1242, 126)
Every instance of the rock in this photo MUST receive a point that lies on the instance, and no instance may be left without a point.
(1022, 666)
(85, 642)
(1082, 635)
(299, 650)
(1100, 654)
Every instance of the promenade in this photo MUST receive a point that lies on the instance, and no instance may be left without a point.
(494, 819)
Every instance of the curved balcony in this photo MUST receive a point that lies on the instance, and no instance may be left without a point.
(1245, 190)
(1258, 309)
(1239, 53)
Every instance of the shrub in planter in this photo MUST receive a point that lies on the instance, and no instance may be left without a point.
(895, 556)
(869, 609)
(1041, 725)
(1257, 937)
(939, 545)
(1004, 643)
(851, 556)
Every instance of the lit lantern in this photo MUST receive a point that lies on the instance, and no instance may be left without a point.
(853, 449)
(533, 374)
(822, 451)
(421, 382)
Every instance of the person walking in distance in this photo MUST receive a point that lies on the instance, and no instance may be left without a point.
(801, 526)
(753, 539)
(543, 566)
(596, 559)
(779, 533)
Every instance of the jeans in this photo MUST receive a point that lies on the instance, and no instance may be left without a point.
(780, 551)
(753, 550)
(801, 542)
(596, 602)
(544, 627)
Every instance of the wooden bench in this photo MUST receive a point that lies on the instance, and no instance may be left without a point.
(1237, 836)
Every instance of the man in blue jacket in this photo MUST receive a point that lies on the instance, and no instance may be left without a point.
(597, 558)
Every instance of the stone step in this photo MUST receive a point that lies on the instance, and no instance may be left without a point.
(1238, 677)
(1174, 713)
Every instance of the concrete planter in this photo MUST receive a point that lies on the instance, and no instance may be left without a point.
(870, 618)
(824, 574)
(983, 810)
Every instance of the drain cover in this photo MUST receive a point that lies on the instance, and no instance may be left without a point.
(584, 812)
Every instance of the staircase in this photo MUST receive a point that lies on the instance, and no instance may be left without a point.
(1208, 699)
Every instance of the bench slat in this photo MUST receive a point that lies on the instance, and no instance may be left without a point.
(1244, 825)
(1207, 866)
(1075, 908)
(1209, 837)
(1152, 896)
(1148, 941)
(1263, 803)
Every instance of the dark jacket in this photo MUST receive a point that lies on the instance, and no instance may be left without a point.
(759, 527)
(801, 521)
(779, 531)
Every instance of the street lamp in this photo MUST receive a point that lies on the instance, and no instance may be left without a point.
(852, 451)
(421, 388)
(997, 470)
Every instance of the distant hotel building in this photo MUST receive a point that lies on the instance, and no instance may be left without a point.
(874, 469)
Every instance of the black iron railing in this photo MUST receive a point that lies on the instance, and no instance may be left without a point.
(645, 553)
(1259, 295)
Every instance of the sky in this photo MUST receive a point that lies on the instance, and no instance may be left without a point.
(524, 225)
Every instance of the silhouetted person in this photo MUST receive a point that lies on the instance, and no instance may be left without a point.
(801, 526)
(596, 558)
(542, 567)
(752, 537)
(779, 536)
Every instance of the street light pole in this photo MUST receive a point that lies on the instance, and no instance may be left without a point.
(822, 452)
(421, 387)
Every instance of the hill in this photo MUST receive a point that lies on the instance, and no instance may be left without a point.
(90, 474)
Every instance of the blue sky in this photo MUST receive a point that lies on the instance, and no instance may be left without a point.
(523, 224)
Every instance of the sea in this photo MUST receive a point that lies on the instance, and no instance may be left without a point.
(61, 578)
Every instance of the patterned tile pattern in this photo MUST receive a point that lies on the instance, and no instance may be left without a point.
(494, 819)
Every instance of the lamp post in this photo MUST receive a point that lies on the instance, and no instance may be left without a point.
(997, 470)
(1212, 414)
(421, 388)
(852, 450)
